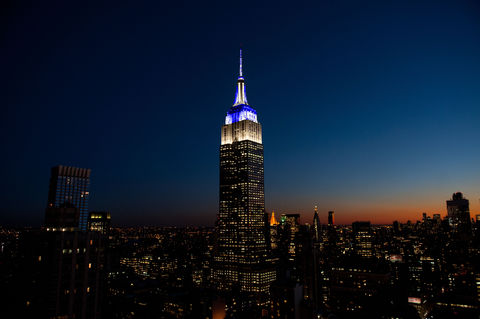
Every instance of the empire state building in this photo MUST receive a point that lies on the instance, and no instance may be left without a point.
(242, 256)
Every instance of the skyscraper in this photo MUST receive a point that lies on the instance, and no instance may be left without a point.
(69, 188)
(241, 260)
(316, 225)
(331, 218)
(63, 263)
(458, 214)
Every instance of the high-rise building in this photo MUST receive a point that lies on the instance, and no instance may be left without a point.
(363, 239)
(331, 218)
(316, 225)
(69, 188)
(63, 263)
(63, 274)
(458, 214)
(242, 254)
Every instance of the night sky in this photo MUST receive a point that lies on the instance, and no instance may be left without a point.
(368, 108)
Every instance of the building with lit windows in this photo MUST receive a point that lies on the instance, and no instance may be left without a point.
(242, 259)
(363, 239)
(291, 225)
(458, 214)
(99, 221)
(69, 188)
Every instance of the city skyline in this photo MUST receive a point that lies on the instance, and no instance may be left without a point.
(375, 125)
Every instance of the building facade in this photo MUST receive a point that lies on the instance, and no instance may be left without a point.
(242, 255)
(69, 188)
(458, 214)
(99, 221)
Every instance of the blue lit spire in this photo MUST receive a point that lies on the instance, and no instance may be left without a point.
(241, 96)
(241, 110)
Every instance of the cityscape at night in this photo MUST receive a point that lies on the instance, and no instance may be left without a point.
(237, 160)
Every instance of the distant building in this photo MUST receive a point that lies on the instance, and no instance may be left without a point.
(331, 218)
(273, 221)
(354, 284)
(69, 187)
(363, 239)
(458, 214)
(99, 221)
(274, 231)
(316, 225)
(291, 224)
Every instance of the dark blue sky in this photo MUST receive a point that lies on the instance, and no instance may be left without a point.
(371, 109)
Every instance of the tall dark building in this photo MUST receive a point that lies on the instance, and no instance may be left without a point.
(242, 256)
(458, 214)
(61, 274)
(331, 218)
(69, 188)
(316, 225)
(62, 266)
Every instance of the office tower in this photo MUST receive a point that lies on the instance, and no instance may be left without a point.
(69, 188)
(63, 267)
(458, 214)
(363, 239)
(331, 218)
(242, 253)
(291, 227)
(99, 221)
(316, 225)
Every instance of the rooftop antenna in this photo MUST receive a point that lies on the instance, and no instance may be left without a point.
(241, 64)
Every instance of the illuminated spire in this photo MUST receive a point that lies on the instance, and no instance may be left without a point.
(273, 221)
(241, 95)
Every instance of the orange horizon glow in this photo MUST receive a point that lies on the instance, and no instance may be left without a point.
(379, 214)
